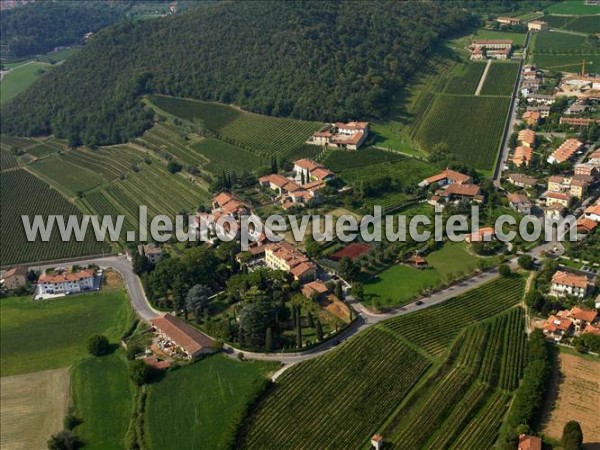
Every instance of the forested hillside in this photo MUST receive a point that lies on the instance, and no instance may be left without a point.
(39, 27)
(309, 60)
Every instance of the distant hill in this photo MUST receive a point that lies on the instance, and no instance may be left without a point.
(309, 60)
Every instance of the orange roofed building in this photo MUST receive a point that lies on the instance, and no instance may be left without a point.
(445, 177)
(565, 151)
(66, 282)
(527, 138)
(284, 256)
(527, 442)
(566, 283)
(485, 234)
(181, 337)
(522, 156)
(348, 136)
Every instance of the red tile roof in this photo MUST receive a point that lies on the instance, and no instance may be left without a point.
(65, 276)
(570, 279)
(587, 315)
(529, 442)
(585, 224)
(448, 174)
(554, 324)
(567, 150)
(464, 190)
(527, 136)
(184, 335)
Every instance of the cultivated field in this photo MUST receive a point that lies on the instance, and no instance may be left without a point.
(342, 398)
(66, 177)
(465, 79)
(200, 406)
(48, 334)
(583, 24)
(445, 123)
(102, 395)
(32, 407)
(573, 7)
(500, 79)
(578, 395)
(24, 194)
(262, 135)
(564, 52)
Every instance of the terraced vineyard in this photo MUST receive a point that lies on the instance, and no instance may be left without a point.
(110, 162)
(467, 80)
(500, 79)
(476, 145)
(340, 399)
(434, 328)
(262, 135)
(335, 401)
(439, 411)
(226, 157)
(24, 194)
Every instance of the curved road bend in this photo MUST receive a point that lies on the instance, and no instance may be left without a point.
(365, 318)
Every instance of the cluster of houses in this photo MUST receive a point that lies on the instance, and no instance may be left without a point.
(523, 152)
(534, 25)
(302, 186)
(453, 187)
(348, 136)
(222, 220)
(573, 322)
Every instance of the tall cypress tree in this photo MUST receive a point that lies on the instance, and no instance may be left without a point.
(298, 335)
(319, 331)
(269, 340)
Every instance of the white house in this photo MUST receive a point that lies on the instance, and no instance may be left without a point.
(66, 282)
(565, 283)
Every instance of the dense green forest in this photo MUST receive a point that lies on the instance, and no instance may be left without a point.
(309, 60)
(41, 26)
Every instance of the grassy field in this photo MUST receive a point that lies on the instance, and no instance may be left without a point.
(266, 136)
(24, 194)
(562, 43)
(20, 78)
(548, 62)
(400, 283)
(32, 407)
(42, 150)
(102, 395)
(564, 52)
(575, 390)
(500, 79)
(66, 177)
(41, 335)
(476, 145)
(573, 7)
(200, 406)
(339, 400)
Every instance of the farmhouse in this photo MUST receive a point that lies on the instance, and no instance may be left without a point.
(455, 192)
(152, 251)
(558, 198)
(531, 117)
(579, 317)
(314, 289)
(508, 20)
(485, 234)
(14, 278)
(445, 177)
(309, 170)
(522, 156)
(490, 49)
(566, 283)
(585, 225)
(284, 256)
(229, 204)
(537, 25)
(223, 220)
(519, 203)
(66, 282)
(527, 138)
(566, 151)
(289, 192)
(527, 442)
(522, 180)
(180, 338)
(348, 136)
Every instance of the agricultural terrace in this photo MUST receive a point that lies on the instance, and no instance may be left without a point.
(465, 78)
(24, 194)
(486, 356)
(201, 405)
(500, 79)
(32, 407)
(401, 283)
(151, 185)
(470, 126)
(20, 78)
(41, 335)
(110, 162)
(66, 177)
(575, 391)
(563, 52)
(102, 395)
(263, 135)
(573, 7)
(343, 397)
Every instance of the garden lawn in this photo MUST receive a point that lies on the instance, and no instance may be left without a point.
(20, 78)
(398, 285)
(200, 406)
(452, 259)
(48, 334)
(103, 398)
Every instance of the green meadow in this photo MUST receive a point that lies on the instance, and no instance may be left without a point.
(20, 78)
